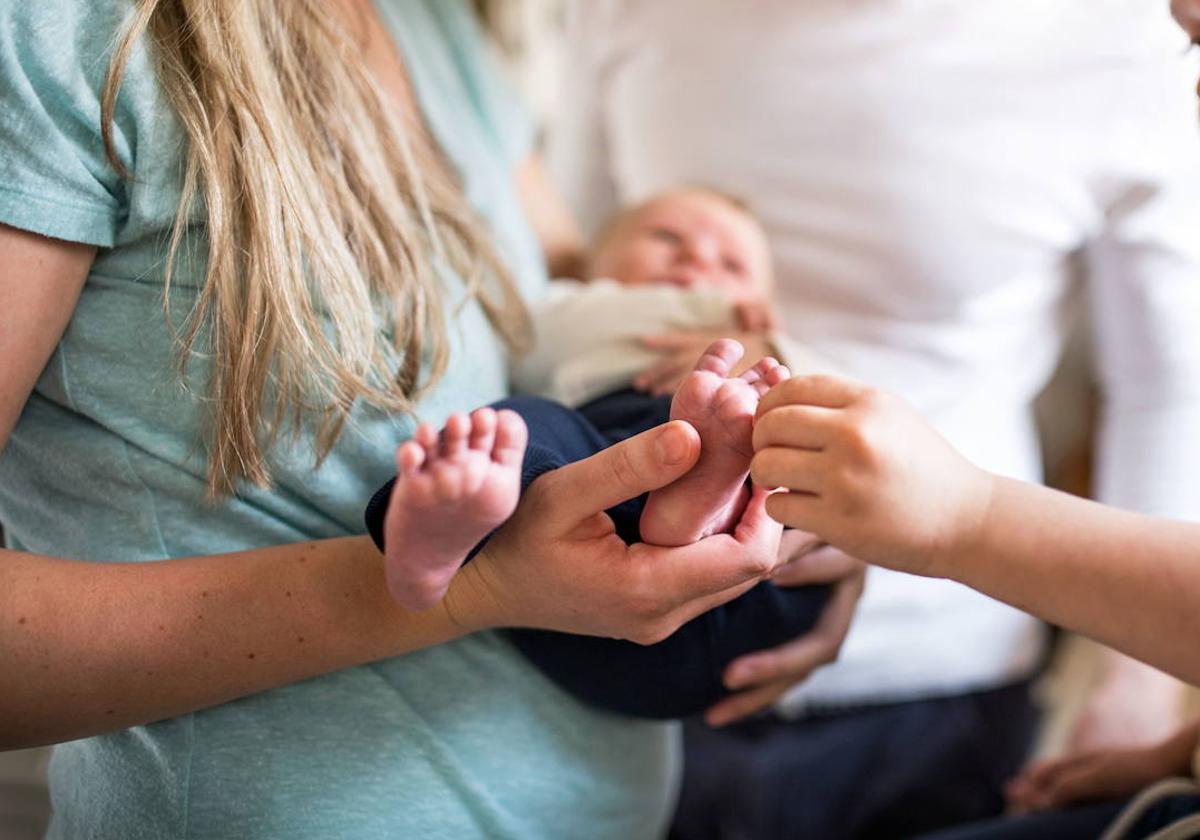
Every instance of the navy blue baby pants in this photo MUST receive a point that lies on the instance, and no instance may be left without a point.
(681, 675)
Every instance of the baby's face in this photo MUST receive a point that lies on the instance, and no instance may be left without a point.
(688, 239)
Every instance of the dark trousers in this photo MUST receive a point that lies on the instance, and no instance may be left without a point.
(1086, 822)
(873, 773)
(681, 675)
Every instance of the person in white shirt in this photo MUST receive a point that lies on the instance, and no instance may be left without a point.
(933, 175)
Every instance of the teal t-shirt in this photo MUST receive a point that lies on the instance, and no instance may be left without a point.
(106, 464)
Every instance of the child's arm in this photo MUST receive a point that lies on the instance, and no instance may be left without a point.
(868, 475)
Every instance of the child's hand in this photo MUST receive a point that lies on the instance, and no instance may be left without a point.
(1087, 777)
(866, 474)
(1102, 774)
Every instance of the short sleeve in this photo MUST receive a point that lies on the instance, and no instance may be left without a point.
(55, 178)
(492, 93)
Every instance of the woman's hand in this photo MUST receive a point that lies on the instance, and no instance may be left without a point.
(558, 564)
(867, 474)
(765, 676)
(682, 348)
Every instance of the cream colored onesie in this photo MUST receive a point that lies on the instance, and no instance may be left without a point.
(587, 336)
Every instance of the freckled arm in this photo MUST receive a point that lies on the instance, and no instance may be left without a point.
(87, 648)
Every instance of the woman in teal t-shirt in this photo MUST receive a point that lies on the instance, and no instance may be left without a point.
(222, 385)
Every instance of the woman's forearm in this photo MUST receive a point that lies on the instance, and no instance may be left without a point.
(94, 647)
(1129, 581)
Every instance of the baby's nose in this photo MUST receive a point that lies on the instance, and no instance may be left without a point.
(701, 251)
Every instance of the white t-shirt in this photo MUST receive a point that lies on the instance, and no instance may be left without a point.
(933, 176)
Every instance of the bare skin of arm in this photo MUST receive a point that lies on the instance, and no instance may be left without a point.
(1130, 581)
(869, 476)
(94, 647)
(91, 647)
(558, 234)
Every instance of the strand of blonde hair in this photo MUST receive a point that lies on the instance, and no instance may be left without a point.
(325, 226)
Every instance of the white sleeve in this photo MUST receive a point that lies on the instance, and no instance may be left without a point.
(577, 151)
(1145, 310)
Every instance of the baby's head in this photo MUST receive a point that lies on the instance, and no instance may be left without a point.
(689, 237)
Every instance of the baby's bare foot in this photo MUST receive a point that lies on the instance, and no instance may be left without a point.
(451, 491)
(710, 497)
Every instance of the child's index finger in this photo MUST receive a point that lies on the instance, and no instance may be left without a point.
(819, 390)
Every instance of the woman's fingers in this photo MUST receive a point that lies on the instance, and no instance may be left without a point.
(558, 564)
(794, 661)
(762, 672)
(721, 562)
(671, 586)
(698, 605)
(795, 544)
(825, 564)
(755, 525)
(632, 467)
(745, 703)
(768, 675)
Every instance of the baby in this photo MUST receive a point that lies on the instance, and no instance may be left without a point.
(687, 259)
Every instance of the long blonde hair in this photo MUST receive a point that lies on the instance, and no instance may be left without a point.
(325, 218)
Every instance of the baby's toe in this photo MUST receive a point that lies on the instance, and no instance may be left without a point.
(410, 455)
(511, 438)
(720, 357)
(455, 435)
(778, 373)
(483, 430)
(427, 436)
